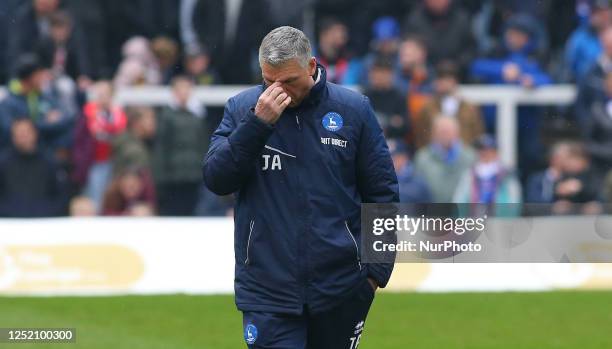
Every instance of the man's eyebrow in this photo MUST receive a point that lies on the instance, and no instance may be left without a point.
(289, 79)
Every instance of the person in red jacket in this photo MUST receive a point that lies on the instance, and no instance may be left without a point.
(100, 123)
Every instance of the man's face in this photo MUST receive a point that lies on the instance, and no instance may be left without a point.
(600, 17)
(487, 155)
(296, 80)
(334, 38)
(516, 39)
(24, 137)
(445, 85)
(411, 53)
(381, 78)
(104, 94)
(606, 41)
(182, 91)
(438, 6)
(197, 65)
(45, 6)
(60, 33)
(38, 80)
(445, 132)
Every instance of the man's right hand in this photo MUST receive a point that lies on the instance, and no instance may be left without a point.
(272, 103)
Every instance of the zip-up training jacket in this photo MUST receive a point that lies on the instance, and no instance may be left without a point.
(299, 184)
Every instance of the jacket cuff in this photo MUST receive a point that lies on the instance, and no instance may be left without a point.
(250, 136)
(380, 272)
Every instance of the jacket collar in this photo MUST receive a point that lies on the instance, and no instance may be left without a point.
(318, 90)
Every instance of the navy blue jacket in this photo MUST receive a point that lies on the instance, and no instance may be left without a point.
(299, 185)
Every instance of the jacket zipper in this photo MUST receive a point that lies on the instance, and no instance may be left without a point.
(251, 225)
(348, 231)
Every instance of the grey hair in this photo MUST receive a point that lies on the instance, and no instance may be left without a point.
(283, 44)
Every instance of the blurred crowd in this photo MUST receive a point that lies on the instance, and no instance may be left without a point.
(67, 148)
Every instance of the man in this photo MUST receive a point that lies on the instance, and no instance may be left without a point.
(28, 97)
(592, 86)
(583, 47)
(30, 183)
(446, 101)
(413, 188)
(388, 101)
(444, 160)
(301, 154)
(179, 143)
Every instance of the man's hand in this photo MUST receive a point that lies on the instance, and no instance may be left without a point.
(272, 103)
(511, 72)
(373, 284)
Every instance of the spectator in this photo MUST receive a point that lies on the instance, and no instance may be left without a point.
(7, 13)
(388, 102)
(93, 22)
(180, 144)
(100, 123)
(592, 86)
(64, 51)
(540, 186)
(447, 102)
(166, 52)
(341, 67)
(413, 77)
(491, 19)
(583, 47)
(385, 42)
(30, 184)
(28, 98)
(577, 191)
(128, 192)
(30, 23)
(446, 30)
(598, 133)
(82, 206)
(488, 181)
(412, 187)
(135, 146)
(232, 30)
(198, 68)
(517, 66)
(444, 160)
(139, 65)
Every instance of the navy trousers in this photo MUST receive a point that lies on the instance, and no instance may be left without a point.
(338, 328)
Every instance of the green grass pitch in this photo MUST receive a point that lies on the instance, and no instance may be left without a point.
(552, 320)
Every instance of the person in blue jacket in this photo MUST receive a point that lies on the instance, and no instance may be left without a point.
(517, 64)
(301, 154)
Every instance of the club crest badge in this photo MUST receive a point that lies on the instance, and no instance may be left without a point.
(250, 334)
(332, 121)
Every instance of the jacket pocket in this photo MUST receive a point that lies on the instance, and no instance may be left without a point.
(248, 244)
(352, 238)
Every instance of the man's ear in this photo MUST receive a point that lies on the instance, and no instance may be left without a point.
(312, 65)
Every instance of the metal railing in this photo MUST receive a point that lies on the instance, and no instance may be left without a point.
(506, 98)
